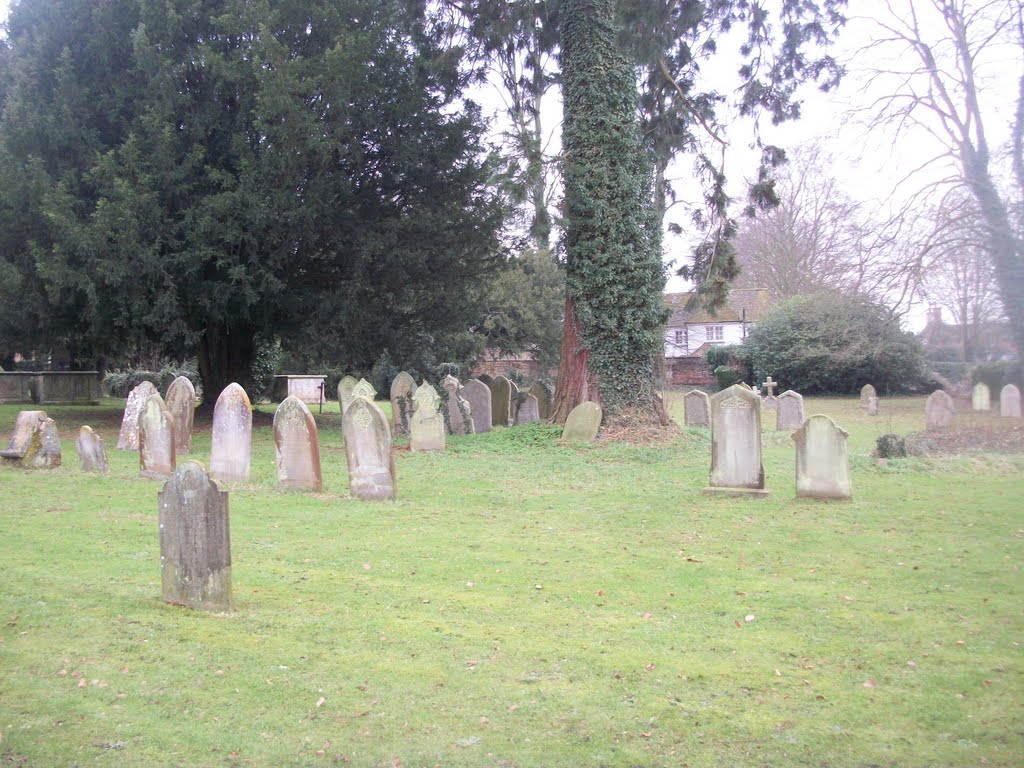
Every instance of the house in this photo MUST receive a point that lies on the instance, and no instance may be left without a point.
(973, 343)
(689, 333)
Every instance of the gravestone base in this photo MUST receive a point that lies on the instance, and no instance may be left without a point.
(756, 493)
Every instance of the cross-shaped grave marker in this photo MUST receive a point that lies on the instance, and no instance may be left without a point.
(770, 386)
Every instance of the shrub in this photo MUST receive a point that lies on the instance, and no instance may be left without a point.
(727, 375)
(997, 374)
(890, 447)
(731, 356)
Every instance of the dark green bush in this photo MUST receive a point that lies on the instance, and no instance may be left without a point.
(998, 374)
(121, 383)
(890, 447)
(727, 375)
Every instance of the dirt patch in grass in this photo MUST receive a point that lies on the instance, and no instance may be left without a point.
(971, 439)
(639, 434)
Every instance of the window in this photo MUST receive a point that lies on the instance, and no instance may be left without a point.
(680, 338)
(714, 333)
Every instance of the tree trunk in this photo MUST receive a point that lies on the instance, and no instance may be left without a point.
(573, 385)
(225, 356)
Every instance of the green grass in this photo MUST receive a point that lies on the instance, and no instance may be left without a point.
(524, 603)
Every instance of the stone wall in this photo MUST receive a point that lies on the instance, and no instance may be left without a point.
(48, 387)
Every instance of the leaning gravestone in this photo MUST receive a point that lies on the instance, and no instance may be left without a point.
(26, 425)
(790, 413)
(477, 394)
(822, 464)
(866, 393)
(345, 387)
(455, 408)
(231, 442)
(981, 398)
(296, 447)
(1009, 401)
(696, 411)
(195, 540)
(427, 432)
(91, 455)
(181, 404)
(128, 440)
(528, 411)
(542, 391)
(582, 423)
(501, 401)
(938, 410)
(736, 466)
(48, 456)
(35, 443)
(156, 440)
(402, 388)
(371, 464)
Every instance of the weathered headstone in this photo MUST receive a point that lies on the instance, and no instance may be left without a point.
(866, 393)
(92, 457)
(35, 443)
(822, 464)
(745, 386)
(231, 443)
(128, 440)
(485, 379)
(455, 408)
(363, 388)
(478, 395)
(501, 399)
(157, 456)
(427, 431)
(1009, 401)
(790, 412)
(981, 398)
(48, 456)
(938, 410)
(736, 442)
(181, 404)
(26, 425)
(529, 411)
(542, 391)
(582, 423)
(345, 387)
(371, 464)
(872, 406)
(296, 447)
(402, 388)
(195, 540)
(696, 411)
(770, 403)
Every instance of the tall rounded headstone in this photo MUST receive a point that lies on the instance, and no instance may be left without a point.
(582, 423)
(501, 400)
(231, 443)
(345, 387)
(368, 455)
(128, 439)
(157, 457)
(1009, 402)
(427, 431)
(938, 410)
(981, 398)
(181, 403)
(296, 446)
(696, 410)
(822, 463)
(789, 414)
(402, 388)
(736, 465)
(478, 395)
(866, 393)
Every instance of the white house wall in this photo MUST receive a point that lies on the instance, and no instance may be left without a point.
(695, 335)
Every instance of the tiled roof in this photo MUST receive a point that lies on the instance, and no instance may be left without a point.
(754, 300)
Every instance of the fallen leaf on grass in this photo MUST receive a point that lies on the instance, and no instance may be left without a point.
(748, 618)
(648, 615)
(82, 683)
(650, 666)
(469, 742)
(869, 683)
(320, 702)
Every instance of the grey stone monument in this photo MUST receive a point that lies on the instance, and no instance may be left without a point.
(478, 395)
(582, 423)
(822, 464)
(25, 440)
(128, 440)
(790, 413)
(528, 411)
(92, 457)
(296, 446)
(501, 401)
(545, 397)
(455, 408)
(427, 431)
(231, 442)
(866, 393)
(938, 410)
(371, 463)
(181, 403)
(157, 457)
(1009, 402)
(402, 389)
(696, 410)
(736, 466)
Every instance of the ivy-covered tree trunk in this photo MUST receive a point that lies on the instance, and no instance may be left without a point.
(225, 356)
(612, 235)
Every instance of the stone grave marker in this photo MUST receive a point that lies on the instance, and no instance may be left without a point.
(545, 397)
(822, 464)
(26, 425)
(363, 388)
(48, 456)
(770, 403)
(128, 440)
(483, 377)
(296, 446)
(35, 443)
(181, 404)
(157, 456)
(736, 466)
(790, 413)
(427, 431)
(478, 395)
(872, 406)
(455, 408)
(745, 386)
(345, 387)
(195, 540)
(981, 398)
(231, 442)
(371, 464)
(696, 410)
(529, 410)
(866, 393)
(582, 423)
(501, 401)
(514, 401)
(770, 385)
(403, 386)
(1009, 401)
(92, 457)
(938, 410)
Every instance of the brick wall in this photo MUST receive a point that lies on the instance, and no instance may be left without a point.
(687, 371)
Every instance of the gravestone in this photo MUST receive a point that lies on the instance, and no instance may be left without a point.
(128, 440)
(345, 387)
(542, 391)
(35, 443)
(514, 401)
(231, 442)
(582, 423)
(26, 425)
(501, 401)
(1009, 401)
(195, 540)
(296, 447)
(822, 464)
(736, 466)
(745, 386)
(770, 386)
(938, 410)
(770, 403)
(483, 377)
(872, 406)
(48, 455)
(371, 464)
(402, 389)
(696, 411)
(181, 404)
(866, 393)
(157, 457)
(529, 411)
(790, 413)
(363, 388)
(981, 398)
(427, 431)
(455, 408)
(92, 457)
(478, 395)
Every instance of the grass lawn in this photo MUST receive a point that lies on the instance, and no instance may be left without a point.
(524, 603)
